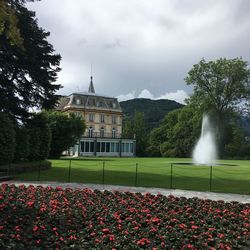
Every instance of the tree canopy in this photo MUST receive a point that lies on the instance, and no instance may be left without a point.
(220, 86)
(65, 131)
(27, 72)
(178, 133)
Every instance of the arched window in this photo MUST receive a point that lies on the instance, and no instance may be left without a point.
(102, 132)
(90, 132)
(113, 133)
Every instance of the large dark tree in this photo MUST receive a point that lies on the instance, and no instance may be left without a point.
(27, 72)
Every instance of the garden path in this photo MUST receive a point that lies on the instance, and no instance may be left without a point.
(175, 192)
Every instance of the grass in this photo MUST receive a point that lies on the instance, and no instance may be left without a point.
(152, 172)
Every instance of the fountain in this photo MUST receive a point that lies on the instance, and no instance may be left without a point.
(205, 151)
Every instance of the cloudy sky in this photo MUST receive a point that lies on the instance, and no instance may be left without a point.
(141, 48)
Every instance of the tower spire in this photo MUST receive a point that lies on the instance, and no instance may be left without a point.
(91, 85)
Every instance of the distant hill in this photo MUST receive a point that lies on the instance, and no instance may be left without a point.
(154, 110)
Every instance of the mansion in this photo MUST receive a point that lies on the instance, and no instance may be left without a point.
(103, 118)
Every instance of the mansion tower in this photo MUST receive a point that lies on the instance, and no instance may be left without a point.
(103, 118)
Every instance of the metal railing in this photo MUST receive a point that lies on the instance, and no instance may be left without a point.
(171, 176)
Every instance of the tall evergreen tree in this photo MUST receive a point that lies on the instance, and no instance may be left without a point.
(27, 72)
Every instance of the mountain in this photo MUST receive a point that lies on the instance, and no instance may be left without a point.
(154, 110)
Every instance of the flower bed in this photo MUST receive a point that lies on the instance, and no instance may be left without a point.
(85, 219)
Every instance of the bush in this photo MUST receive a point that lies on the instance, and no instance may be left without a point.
(39, 137)
(22, 144)
(23, 167)
(7, 139)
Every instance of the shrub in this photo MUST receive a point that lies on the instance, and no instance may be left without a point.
(23, 167)
(39, 137)
(7, 139)
(22, 144)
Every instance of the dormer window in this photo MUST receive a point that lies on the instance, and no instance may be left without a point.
(78, 101)
(114, 105)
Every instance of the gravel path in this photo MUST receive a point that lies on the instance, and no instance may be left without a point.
(175, 192)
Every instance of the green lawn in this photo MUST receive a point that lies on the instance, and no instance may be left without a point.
(152, 172)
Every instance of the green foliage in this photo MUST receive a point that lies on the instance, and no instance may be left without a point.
(22, 143)
(136, 127)
(220, 85)
(27, 73)
(8, 24)
(153, 110)
(237, 147)
(65, 131)
(7, 139)
(39, 137)
(177, 134)
(24, 167)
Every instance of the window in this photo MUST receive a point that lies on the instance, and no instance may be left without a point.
(82, 146)
(131, 147)
(112, 147)
(108, 147)
(113, 133)
(78, 101)
(92, 145)
(102, 146)
(98, 147)
(102, 132)
(91, 117)
(90, 132)
(102, 118)
(87, 146)
(117, 147)
(113, 119)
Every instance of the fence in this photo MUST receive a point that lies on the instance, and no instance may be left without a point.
(165, 175)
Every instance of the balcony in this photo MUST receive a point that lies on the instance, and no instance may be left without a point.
(102, 135)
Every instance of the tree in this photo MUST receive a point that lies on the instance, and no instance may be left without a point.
(178, 133)
(8, 24)
(22, 149)
(221, 88)
(39, 137)
(27, 73)
(137, 127)
(65, 131)
(7, 139)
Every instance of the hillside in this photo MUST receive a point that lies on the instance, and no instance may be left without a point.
(154, 110)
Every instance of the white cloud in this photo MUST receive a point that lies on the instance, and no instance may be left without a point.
(178, 96)
(145, 94)
(126, 97)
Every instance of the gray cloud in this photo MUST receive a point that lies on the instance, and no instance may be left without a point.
(138, 45)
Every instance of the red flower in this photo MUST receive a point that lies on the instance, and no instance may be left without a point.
(143, 241)
(30, 203)
(182, 225)
(105, 230)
